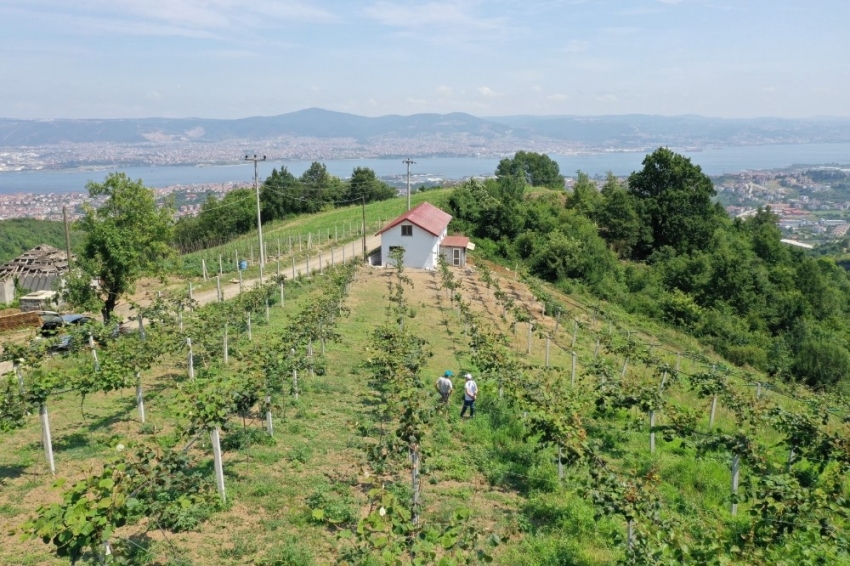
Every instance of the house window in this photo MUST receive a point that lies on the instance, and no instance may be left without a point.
(406, 230)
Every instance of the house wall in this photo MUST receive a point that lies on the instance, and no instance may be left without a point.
(420, 249)
(7, 291)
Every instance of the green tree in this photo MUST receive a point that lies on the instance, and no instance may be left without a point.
(280, 195)
(320, 188)
(536, 169)
(674, 203)
(364, 182)
(125, 238)
(617, 217)
(821, 363)
(585, 199)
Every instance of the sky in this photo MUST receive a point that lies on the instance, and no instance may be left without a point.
(232, 59)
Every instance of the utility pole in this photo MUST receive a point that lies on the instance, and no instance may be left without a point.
(255, 159)
(409, 162)
(67, 236)
(363, 201)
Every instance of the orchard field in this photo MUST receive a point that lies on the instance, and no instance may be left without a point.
(599, 438)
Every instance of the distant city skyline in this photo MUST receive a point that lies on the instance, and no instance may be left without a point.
(228, 59)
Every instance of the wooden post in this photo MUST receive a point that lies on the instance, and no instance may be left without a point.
(219, 467)
(736, 470)
(140, 399)
(46, 438)
(190, 360)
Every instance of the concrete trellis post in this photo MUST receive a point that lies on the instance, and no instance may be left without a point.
(295, 382)
(204, 268)
(573, 369)
(269, 421)
(736, 470)
(226, 350)
(191, 292)
(290, 243)
(250, 336)
(560, 463)
(190, 360)
(308, 265)
(293, 267)
(142, 335)
(20, 376)
(240, 281)
(94, 353)
(282, 299)
(140, 399)
(299, 242)
(596, 350)
(220, 266)
(46, 439)
(547, 351)
(218, 464)
(218, 288)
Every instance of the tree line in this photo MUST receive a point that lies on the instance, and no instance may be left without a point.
(659, 245)
(282, 195)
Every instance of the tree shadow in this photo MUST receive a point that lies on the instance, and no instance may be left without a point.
(11, 472)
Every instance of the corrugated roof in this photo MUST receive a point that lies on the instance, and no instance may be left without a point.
(426, 216)
(37, 268)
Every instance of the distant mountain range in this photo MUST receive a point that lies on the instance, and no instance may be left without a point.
(593, 131)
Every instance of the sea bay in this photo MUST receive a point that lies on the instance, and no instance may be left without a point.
(714, 161)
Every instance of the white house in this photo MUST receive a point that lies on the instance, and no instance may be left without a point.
(420, 230)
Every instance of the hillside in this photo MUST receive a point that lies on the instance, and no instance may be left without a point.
(490, 488)
(594, 131)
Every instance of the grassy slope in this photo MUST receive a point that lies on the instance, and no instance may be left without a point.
(321, 446)
(18, 235)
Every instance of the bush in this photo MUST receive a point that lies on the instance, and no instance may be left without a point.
(821, 364)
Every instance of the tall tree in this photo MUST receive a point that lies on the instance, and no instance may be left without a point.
(536, 169)
(618, 220)
(364, 182)
(674, 202)
(320, 188)
(280, 195)
(125, 238)
(585, 199)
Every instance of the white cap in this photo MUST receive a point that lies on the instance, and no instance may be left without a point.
(468, 376)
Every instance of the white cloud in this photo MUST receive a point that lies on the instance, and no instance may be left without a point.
(576, 46)
(607, 97)
(536, 88)
(488, 92)
(405, 15)
(557, 97)
(444, 90)
(419, 101)
(769, 89)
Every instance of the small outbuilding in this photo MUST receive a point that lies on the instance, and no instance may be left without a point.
(421, 231)
(454, 248)
(38, 269)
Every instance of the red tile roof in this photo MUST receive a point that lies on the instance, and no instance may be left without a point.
(454, 242)
(426, 216)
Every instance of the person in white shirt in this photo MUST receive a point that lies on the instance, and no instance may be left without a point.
(444, 386)
(470, 393)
